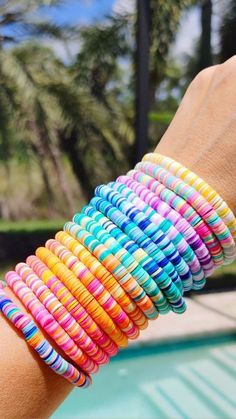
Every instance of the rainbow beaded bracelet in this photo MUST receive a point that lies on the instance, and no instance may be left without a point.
(36, 340)
(129, 256)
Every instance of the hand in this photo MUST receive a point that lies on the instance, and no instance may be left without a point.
(202, 135)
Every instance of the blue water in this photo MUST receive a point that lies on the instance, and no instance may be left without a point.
(177, 380)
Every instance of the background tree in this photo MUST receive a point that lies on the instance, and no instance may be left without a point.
(76, 118)
(228, 32)
(165, 17)
(205, 58)
(21, 91)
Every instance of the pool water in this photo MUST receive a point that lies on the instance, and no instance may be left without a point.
(192, 379)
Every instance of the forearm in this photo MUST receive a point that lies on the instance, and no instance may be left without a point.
(29, 389)
(37, 389)
(202, 133)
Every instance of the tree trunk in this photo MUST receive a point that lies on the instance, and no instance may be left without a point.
(69, 145)
(205, 49)
(65, 189)
(228, 33)
(38, 148)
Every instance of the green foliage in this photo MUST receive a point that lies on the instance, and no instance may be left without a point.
(97, 61)
(25, 21)
(165, 16)
(80, 112)
(30, 225)
(163, 117)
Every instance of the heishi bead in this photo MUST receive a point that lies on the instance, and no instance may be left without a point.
(100, 271)
(94, 286)
(195, 277)
(111, 263)
(163, 245)
(204, 208)
(72, 305)
(82, 295)
(170, 205)
(184, 209)
(124, 258)
(48, 323)
(127, 257)
(139, 255)
(61, 314)
(174, 237)
(164, 281)
(200, 185)
(36, 340)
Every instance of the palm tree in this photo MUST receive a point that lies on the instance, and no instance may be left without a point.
(55, 108)
(35, 112)
(22, 69)
(93, 136)
(84, 109)
(165, 17)
(21, 20)
(104, 129)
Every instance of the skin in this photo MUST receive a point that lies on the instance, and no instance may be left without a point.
(202, 137)
(202, 133)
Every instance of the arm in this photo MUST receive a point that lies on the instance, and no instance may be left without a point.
(202, 133)
(201, 136)
(28, 388)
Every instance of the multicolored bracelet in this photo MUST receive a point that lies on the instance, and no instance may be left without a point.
(37, 341)
(129, 256)
(199, 185)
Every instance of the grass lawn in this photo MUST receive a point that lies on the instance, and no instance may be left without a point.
(31, 225)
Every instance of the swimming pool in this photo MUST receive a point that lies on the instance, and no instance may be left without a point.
(182, 379)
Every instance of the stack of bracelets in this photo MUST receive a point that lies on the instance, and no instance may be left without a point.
(129, 255)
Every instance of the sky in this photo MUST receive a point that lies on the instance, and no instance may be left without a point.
(79, 12)
(86, 11)
(82, 12)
